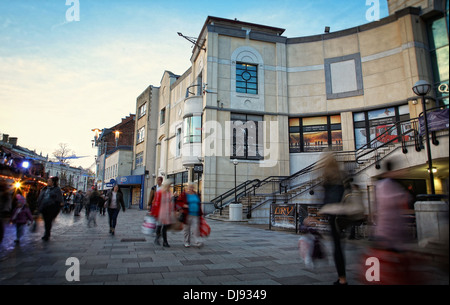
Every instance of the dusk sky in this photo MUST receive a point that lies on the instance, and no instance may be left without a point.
(59, 79)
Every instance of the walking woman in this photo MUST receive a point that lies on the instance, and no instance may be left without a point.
(49, 202)
(163, 209)
(114, 202)
(334, 189)
(190, 201)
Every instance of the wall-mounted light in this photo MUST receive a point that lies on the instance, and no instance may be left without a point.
(434, 170)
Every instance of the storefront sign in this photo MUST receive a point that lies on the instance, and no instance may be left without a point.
(283, 215)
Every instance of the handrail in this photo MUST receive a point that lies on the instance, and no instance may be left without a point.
(219, 200)
(285, 181)
(189, 93)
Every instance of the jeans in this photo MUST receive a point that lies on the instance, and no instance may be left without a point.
(192, 226)
(113, 213)
(19, 230)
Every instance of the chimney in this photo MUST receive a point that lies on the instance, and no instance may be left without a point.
(5, 138)
(13, 141)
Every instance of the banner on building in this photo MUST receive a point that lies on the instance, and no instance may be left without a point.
(437, 120)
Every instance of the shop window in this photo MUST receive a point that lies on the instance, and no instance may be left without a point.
(314, 134)
(377, 126)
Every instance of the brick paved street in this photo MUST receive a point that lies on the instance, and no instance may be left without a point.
(234, 254)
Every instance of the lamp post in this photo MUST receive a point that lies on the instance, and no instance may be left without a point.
(422, 88)
(235, 162)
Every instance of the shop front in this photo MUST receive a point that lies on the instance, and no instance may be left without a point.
(133, 190)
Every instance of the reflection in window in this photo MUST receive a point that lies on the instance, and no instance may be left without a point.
(379, 125)
(314, 134)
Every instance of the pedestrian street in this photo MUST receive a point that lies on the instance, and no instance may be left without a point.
(233, 254)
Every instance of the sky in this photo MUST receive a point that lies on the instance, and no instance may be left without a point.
(63, 74)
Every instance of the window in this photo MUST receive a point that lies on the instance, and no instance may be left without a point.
(193, 129)
(439, 54)
(178, 143)
(314, 134)
(139, 162)
(369, 125)
(247, 133)
(162, 116)
(140, 135)
(142, 110)
(246, 78)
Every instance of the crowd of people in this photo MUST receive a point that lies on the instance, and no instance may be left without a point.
(166, 207)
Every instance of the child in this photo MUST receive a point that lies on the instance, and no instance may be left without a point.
(20, 216)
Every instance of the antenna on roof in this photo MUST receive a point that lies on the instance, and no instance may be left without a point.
(193, 40)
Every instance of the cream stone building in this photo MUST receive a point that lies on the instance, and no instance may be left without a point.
(273, 104)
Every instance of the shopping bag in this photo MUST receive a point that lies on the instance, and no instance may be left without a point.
(205, 229)
(149, 225)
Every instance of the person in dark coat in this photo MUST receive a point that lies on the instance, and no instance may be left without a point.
(49, 201)
(114, 202)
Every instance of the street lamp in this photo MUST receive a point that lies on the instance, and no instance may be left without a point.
(235, 162)
(422, 88)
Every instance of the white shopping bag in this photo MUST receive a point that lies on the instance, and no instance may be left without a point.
(149, 225)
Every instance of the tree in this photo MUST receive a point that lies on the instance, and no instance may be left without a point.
(63, 153)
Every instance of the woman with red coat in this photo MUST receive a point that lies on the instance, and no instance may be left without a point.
(163, 209)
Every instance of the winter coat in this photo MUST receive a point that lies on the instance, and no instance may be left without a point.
(23, 215)
(119, 199)
(50, 198)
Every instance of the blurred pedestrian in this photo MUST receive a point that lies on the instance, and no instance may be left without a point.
(5, 203)
(333, 185)
(95, 199)
(192, 210)
(398, 267)
(392, 203)
(153, 192)
(50, 201)
(114, 202)
(163, 209)
(78, 201)
(21, 216)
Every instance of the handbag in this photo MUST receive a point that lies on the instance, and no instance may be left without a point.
(182, 217)
(205, 229)
(350, 206)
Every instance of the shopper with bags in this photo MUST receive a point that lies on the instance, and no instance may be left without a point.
(191, 216)
(163, 209)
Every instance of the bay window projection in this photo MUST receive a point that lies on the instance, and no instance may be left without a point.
(193, 129)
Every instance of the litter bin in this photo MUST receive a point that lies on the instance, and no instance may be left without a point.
(235, 212)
